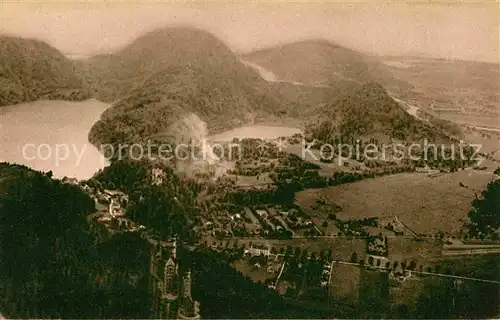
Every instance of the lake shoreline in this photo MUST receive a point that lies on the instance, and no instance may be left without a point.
(52, 135)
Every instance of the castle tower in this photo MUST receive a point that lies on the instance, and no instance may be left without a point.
(171, 293)
(164, 280)
(186, 285)
(170, 287)
(170, 276)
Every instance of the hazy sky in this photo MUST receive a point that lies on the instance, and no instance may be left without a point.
(448, 29)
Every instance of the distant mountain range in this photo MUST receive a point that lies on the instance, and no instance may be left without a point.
(169, 83)
(319, 62)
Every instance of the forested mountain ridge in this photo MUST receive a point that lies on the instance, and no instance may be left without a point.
(179, 83)
(365, 112)
(319, 62)
(158, 108)
(54, 263)
(31, 69)
(113, 75)
(171, 76)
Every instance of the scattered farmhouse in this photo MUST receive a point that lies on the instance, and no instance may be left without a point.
(258, 250)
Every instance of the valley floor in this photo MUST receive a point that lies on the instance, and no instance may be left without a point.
(425, 204)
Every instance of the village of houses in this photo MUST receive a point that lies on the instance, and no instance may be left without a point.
(300, 256)
(110, 210)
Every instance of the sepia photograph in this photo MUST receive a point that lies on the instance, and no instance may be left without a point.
(250, 159)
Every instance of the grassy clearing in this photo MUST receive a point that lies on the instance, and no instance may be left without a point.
(477, 266)
(408, 292)
(326, 168)
(256, 274)
(245, 181)
(425, 204)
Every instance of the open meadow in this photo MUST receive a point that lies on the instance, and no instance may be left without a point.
(424, 252)
(326, 168)
(424, 204)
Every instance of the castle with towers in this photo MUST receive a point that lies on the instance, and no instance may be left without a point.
(170, 284)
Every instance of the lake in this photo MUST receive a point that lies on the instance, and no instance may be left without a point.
(255, 131)
(52, 135)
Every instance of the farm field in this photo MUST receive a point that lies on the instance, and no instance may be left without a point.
(471, 119)
(423, 252)
(474, 86)
(490, 145)
(345, 282)
(424, 204)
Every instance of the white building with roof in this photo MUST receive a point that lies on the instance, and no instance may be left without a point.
(259, 250)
